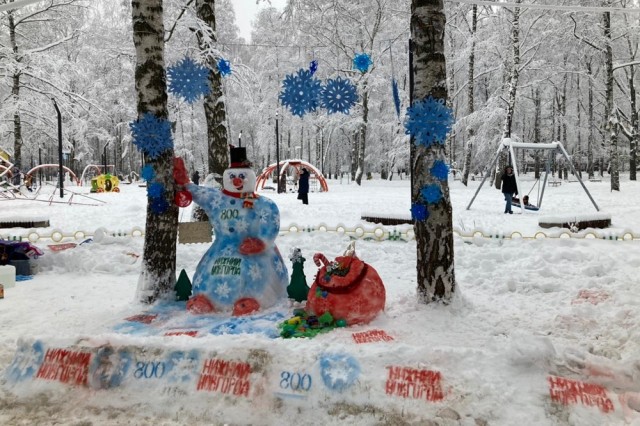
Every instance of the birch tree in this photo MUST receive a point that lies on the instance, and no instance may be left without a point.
(214, 103)
(434, 236)
(158, 275)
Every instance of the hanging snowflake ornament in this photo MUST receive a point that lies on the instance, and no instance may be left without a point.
(429, 121)
(148, 173)
(362, 62)
(313, 67)
(432, 193)
(155, 190)
(440, 170)
(339, 95)
(189, 80)
(159, 205)
(152, 135)
(224, 67)
(396, 96)
(300, 92)
(419, 212)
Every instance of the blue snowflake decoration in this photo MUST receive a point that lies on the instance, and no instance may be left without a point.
(339, 95)
(339, 371)
(313, 67)
(152, 135)
(159, 205)
(300, 92)
(148, 173)
(429, 121)
(432, 194)
(362, 62)
(440, 170)
(189, 80)
(224, 67)
(396, 96)
(155, 190)
(419, 212)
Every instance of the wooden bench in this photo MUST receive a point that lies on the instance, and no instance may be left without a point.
(387, 221)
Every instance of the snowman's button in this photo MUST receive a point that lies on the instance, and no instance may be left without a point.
(232, 230)
(233, 202)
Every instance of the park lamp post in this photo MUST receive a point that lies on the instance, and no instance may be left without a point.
(61, 170)
(278, 157)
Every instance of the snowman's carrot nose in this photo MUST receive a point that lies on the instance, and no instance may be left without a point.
(237, 181)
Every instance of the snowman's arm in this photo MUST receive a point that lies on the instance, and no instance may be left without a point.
(202, 195)
(269, 229)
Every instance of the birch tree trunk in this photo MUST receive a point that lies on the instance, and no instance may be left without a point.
(214, 106)
(590, 139)
(363, 134)
(612, 125)
(158, 276)
(635, 136)
(512, 89)
(536, 130)
(434, 236)
(470, 94)
(15, 94)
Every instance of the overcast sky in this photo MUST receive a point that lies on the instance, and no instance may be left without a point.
(246, 11)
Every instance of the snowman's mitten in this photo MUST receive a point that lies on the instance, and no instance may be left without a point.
(252, 245)
(180, 174)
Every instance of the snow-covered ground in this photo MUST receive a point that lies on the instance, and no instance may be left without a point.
(526, 310)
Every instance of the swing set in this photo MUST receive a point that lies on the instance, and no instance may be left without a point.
(551, 149)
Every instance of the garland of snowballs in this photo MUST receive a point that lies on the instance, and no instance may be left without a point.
(429, 121)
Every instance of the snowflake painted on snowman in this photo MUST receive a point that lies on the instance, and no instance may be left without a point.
(242, 271)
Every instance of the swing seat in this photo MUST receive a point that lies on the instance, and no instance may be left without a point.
(527, 207)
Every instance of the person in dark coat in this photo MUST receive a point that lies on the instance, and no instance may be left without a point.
(509, 187)
(303, 186)
(195, 178)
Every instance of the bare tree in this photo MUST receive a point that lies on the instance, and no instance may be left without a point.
(434, 236)
(470, 94)
(158, 275)
(214, 105)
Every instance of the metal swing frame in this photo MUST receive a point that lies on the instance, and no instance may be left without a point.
(550, 147)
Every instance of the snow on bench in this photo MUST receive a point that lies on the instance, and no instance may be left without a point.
(386, 219)
(579, 221)
(24, 222)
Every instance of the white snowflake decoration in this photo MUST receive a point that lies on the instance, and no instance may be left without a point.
(223, 290)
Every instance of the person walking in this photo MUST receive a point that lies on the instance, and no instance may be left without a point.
(303, 186)
(195, 177)
(509, 187)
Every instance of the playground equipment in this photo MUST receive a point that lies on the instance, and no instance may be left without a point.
(285, 165)
(56, 167)
(105, 183)
(96, 169)
(551, 148)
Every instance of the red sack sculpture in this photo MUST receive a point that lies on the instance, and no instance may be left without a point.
(347, 288)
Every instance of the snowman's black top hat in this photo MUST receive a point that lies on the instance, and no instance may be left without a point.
(239, 158)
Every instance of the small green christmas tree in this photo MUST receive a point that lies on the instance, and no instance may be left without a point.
(183, 287)
(298, 288)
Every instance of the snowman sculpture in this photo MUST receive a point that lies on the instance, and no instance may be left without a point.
(242, 271)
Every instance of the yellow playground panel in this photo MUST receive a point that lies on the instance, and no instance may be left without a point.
(105, 183)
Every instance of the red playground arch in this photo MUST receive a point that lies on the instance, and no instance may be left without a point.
(297, 165)
(55, 167)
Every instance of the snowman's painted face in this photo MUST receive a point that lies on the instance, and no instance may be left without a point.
(239, 180)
